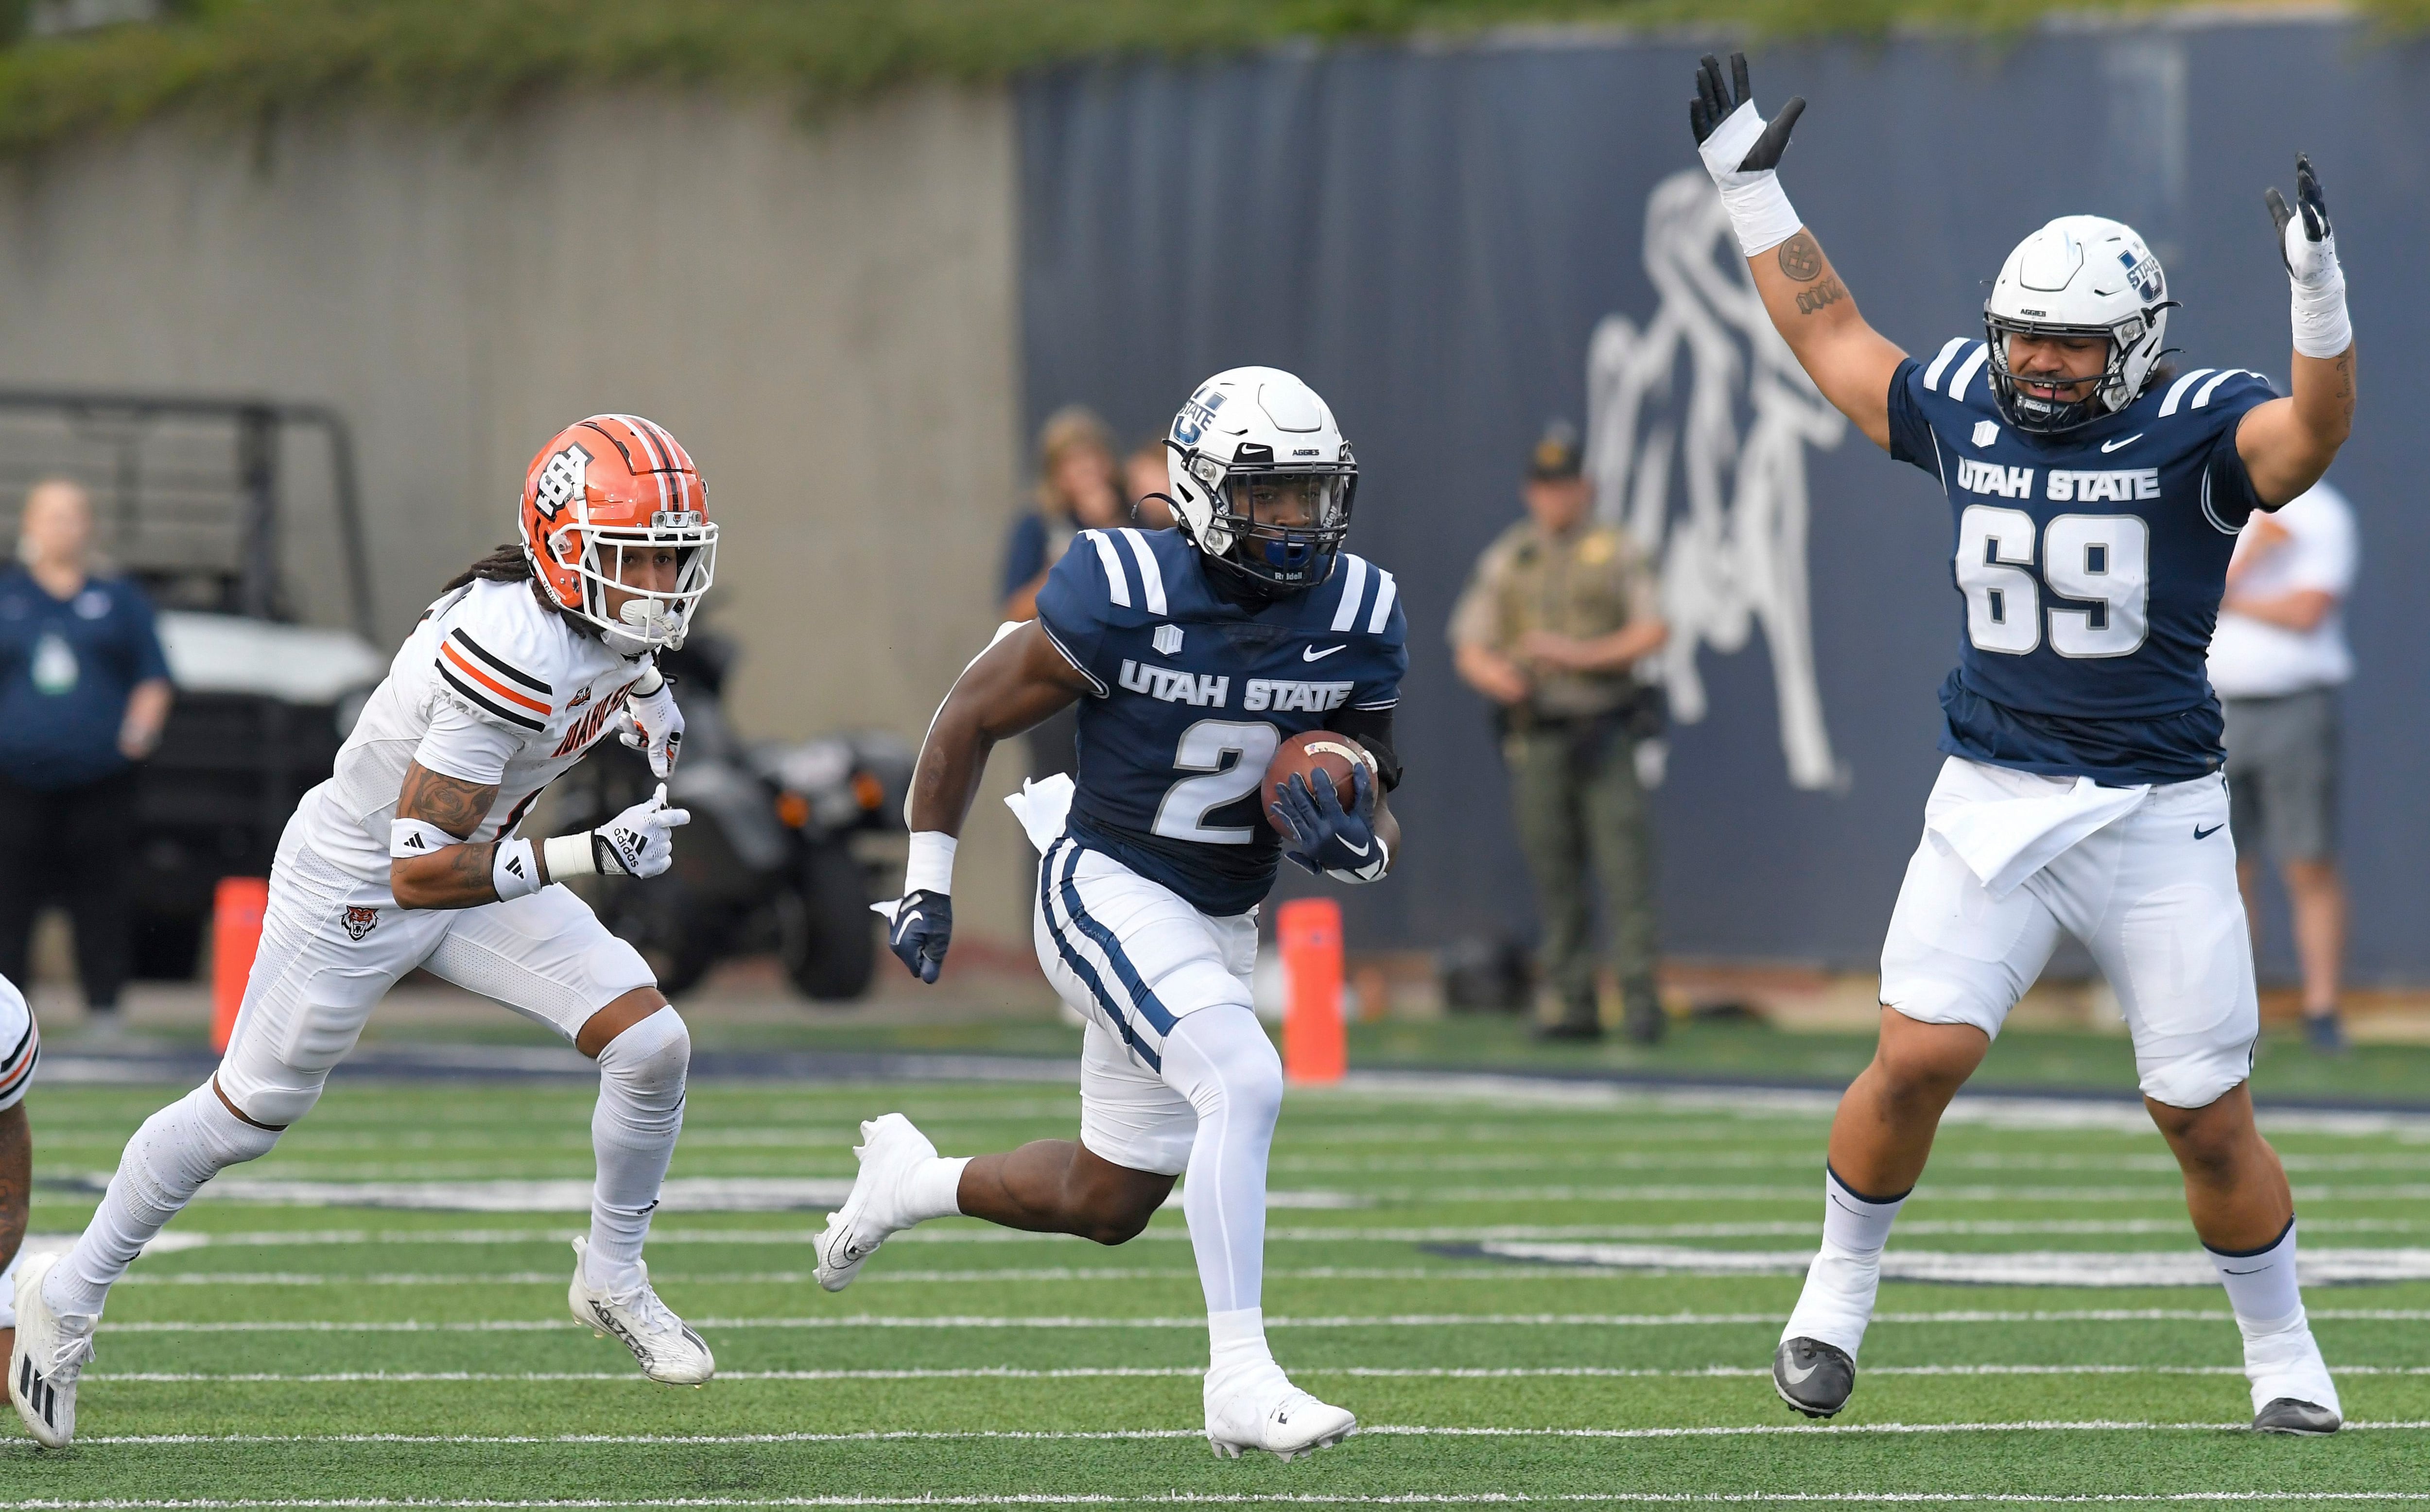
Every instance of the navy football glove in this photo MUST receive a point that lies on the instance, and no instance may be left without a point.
(921, 930)
(2315, 212)
(1333, 840)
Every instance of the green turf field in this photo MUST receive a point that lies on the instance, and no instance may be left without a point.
(307, 1354)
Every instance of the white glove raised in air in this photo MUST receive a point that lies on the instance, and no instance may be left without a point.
(651, 722)
(636, 843)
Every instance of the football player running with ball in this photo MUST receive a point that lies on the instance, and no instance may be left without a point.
(408, 857)
(1193, 652)
(2097, 495)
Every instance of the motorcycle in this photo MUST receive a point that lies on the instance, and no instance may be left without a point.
(772, 860)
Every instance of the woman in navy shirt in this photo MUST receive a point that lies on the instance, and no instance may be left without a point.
(83, 691)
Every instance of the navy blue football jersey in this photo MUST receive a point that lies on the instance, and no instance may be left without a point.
(2089, 565)
(1192, 692)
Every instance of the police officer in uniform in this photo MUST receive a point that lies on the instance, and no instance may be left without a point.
(1555, 618)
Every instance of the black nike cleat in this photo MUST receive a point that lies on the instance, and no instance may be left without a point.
(2286, 1415)
(1815, 1378)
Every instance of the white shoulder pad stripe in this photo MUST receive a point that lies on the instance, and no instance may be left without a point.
(1354, 587)
(1096, 685)
(1151, 575)
(2178, 391)
(1940, 364)
(1118, 585)
(1966, 373)
(2202, 395)
(2211, 512)
(1382, 615)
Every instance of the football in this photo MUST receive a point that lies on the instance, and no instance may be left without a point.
(1308, 753)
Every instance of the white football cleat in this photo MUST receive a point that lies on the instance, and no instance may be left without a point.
(51, 1352)
(890, 1148)
(663, 1344)
(1267, 1412)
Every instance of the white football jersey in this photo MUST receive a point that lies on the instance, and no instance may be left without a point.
(21, 1045)
(490, 687)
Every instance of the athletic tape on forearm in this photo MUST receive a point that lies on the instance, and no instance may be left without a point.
(410, 838)
(514, 870)
(930, 868)
(1759, 210)
(648, 683)
(570, 856)
(2321, 326)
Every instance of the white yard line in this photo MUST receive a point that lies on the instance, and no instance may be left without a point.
(1687, 1319)
(1135, 1434)
(1082, 1373)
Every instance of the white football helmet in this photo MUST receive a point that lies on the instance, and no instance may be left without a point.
(1262, 480)
(2079, 275)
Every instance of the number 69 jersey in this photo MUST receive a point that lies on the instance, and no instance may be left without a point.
(2091, 565)
(1191, 694)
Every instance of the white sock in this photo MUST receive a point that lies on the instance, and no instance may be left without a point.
(633, 1134)
(1219, 1058)
(176, 1149)
(934, 1188)
(2281, 1357)
(1837, 1302)
(1236, 1344)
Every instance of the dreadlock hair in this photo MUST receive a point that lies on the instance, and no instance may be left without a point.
(508, 564)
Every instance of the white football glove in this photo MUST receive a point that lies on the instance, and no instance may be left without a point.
(651, 722)
(636, 843)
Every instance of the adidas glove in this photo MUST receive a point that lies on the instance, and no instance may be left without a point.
(650, 722)
(2308, 246)
(1740, 149)
(635, 843)
(1338, 842)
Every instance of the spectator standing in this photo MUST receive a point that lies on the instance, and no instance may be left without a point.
(84, 691)
(1555, 618)
(1079, 489)
(2277, 660)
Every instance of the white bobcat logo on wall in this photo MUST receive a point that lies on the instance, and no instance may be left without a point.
(1731, 552)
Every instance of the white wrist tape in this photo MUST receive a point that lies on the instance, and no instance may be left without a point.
(410, 838)
(514, 872)
(649, 682)
(570, 856)
(2319, 312)
(1759, 210)
(931, 866)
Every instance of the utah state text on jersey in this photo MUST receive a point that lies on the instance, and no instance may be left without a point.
(1192, 692)
(2089, 566)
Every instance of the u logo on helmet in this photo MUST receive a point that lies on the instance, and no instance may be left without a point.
(560, 482)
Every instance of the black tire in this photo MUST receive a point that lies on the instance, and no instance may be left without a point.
(662, 919)
(827, 937)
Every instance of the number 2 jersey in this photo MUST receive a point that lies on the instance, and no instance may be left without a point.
(2091, 566)
(1192, 691)
(491, 686)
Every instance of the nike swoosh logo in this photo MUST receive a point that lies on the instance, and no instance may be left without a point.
(2106, 447)
(2201, 834)
(1354, 850)
(1311, 654)
(903, 925)
(1798, 1377)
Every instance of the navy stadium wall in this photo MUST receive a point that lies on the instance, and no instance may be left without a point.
(1454, 243)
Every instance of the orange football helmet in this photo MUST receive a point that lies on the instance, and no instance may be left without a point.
(606, 486)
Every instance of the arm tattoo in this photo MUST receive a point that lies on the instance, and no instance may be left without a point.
(455, 876)
(450, 803)
(16, 1178)
(1824, 293)
(1800, 258)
